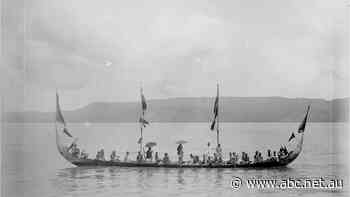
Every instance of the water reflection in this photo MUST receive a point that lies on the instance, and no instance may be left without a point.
(133, 181)
(180, 176)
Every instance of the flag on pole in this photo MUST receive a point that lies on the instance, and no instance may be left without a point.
(140, 140)
(59, 117)
(143, 122)
(291, 137)
(65, 130)
(143, 102)
(216, 109)
(303, 123)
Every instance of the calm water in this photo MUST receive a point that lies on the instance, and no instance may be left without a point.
(32, 166)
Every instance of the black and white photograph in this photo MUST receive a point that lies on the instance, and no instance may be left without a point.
(175, 98)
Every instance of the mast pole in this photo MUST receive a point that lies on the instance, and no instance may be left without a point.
(141, 139)
(56, 113)
(217, 123)
(141, 124)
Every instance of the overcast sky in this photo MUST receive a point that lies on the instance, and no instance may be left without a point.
(104, 50)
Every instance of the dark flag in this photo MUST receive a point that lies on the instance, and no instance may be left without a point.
(303, 123)
(140, 140)
(59, 117)
(216, 105)
(291, 137)
(212, 126)
(143, 122)
(65, 130)
(216, 109)
(143, 102)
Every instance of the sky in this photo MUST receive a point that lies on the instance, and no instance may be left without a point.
(103, 51)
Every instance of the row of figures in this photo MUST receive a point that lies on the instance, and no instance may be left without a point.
(207, 158)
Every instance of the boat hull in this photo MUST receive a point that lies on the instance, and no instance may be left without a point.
(267, 164)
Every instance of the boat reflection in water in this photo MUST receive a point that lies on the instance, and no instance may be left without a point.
(135, 181)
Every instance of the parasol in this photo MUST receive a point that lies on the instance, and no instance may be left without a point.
(150, 144)
(181, 142)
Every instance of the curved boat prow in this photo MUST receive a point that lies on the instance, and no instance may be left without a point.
(63, 150)
(60, 126)
(296, 141)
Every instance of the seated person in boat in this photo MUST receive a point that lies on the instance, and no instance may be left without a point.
(215, 157)
(83, 155)
(274, 157)
(100, 155)
(113, 155)
(245, 158)
(283, 152)
(258, 157)
(156, 157)
(103, 155)
(180, 152)
(194, 159)
(149, 156)
(72, 148)
(235, 157)
(204, 161)
(219, 153)
(209, 160)
(269, 155)
(230, 158)
(75, 151)
(166, 159)
(126, 158)
(139, 157)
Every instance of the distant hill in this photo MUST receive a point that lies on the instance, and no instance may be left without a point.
(232, 109)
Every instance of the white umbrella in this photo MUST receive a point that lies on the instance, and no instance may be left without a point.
(181, 142)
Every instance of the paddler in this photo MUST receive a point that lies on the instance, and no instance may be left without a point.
(219, 153)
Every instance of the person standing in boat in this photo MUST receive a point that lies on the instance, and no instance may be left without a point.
(149, 155)
(180, 152)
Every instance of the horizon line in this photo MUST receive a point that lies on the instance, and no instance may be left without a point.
(170, 98)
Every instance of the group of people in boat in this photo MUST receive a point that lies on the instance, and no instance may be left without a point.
(207, 158)
(75, 151)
